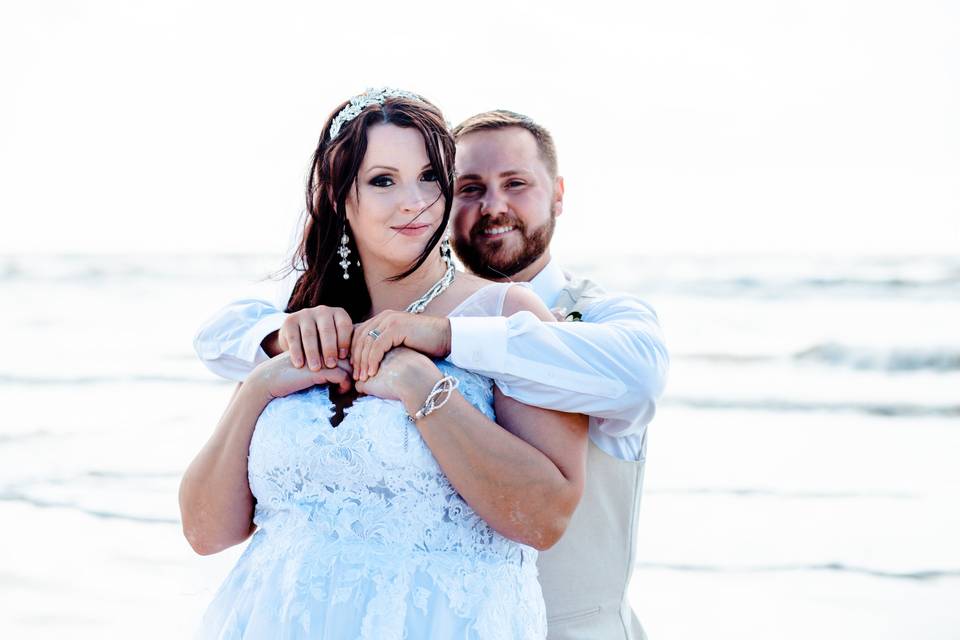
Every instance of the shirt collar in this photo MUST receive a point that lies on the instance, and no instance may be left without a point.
(549, 283)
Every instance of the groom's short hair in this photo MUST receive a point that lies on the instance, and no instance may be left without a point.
(501, 119)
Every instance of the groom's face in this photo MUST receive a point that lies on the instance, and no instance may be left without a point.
(505, 203)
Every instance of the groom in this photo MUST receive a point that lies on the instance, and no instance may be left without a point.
(607, 360)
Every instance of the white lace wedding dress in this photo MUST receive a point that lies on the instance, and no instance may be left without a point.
(360, 535)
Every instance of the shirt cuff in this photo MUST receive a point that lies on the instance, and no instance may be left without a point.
(250, 349)
(478, 343)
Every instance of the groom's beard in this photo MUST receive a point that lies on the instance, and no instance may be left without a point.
(495, 258)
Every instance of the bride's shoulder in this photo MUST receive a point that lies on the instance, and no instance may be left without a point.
(496, 298)
(522, 297)
(470, 282)
(466, 285)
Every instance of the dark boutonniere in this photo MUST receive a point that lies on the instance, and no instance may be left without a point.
(574, 316)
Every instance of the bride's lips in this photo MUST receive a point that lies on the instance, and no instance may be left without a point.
(412, 229)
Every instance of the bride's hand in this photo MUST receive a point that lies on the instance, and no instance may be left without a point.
(391, 329)
(404, 375)
(278, 377)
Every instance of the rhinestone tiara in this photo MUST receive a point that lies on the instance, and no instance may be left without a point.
(360, 102)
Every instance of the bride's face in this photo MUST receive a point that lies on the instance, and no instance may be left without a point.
(396, 204)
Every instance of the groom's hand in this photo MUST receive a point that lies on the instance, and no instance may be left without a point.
(318, 336)
(372, 339)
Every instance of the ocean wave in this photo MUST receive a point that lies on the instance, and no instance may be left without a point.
(890, 410)
(104, 379)
(779, 494)
(131, 475)
(97, 513)
(777, 289)
(928, 278)
(837, 567)
(895, 359)
(98, 476)
(26, 435)
(97, 269)
(834, 354)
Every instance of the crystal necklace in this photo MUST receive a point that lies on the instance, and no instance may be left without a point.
(418, 305)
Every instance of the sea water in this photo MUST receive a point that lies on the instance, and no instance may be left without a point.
(802, 476)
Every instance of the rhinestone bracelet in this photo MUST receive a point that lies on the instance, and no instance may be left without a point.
(444, 387)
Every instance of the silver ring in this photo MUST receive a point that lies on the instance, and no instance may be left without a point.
(373, 333)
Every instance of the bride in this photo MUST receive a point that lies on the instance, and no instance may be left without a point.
(417, 515)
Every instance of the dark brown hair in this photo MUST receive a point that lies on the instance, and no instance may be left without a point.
(333, 173)
(501, 119)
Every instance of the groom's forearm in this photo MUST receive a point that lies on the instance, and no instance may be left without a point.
(613, 366)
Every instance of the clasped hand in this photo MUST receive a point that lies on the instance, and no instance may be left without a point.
(335, 350)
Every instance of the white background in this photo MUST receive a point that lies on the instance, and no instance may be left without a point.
(690, 126)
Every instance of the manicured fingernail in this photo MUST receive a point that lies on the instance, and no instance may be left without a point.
(297, 362)
(331, 363)
(343, 354)
(314, 365)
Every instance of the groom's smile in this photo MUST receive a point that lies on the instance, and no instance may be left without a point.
(497, 231)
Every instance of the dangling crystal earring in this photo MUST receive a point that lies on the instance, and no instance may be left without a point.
(445, 249)
(344, 251)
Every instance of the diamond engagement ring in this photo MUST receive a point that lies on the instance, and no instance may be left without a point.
(373, 333)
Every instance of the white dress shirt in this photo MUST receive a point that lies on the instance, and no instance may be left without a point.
(612, 366)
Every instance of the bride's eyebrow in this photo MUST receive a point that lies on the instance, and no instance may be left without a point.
(394, 169)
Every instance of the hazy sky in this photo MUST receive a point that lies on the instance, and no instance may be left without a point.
(131, 126)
